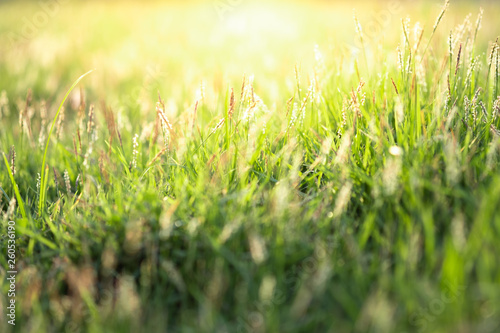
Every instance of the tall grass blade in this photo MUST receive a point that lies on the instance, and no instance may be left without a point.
(44, 177)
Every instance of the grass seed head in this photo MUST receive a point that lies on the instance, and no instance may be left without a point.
(219, 125)
(400, 59)
(67, 182)
(81, 110)
(458, 59)
(135, 152)
(43, 124)
(496, 109)
(60, 123)
(478, 22)
(441, 14)
(417, 35)
(160, 109)
(9, 213)
(357, 25)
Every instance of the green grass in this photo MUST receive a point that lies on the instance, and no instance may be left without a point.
(334, 191)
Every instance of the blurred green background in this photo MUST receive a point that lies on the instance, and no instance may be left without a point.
(140, 47)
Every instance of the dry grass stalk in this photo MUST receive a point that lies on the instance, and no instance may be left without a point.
(219, 125)
(12, 157)
(160, 109)
(289, 104)
(231, 105)
(297, 79)
(81, 110)
(110, 123)
(74, 147)
(395, 87)
(90, 123)
(104, 174)
(157, 156)
(195, 112)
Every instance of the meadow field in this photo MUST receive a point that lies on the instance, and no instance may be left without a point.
(249, 166)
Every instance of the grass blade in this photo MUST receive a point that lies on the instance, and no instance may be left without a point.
(16, 189)
(44, 177)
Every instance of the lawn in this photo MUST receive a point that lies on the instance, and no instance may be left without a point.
(249, 166)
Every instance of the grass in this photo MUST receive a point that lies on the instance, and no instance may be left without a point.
(338, 189)
(44, 177)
